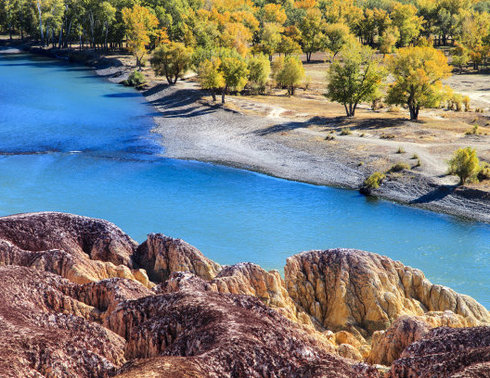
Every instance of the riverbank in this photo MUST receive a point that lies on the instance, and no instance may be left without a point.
(293, 147)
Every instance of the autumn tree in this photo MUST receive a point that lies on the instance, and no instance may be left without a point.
(171, 60)
(388, 40)
(404, 17)
(355, 78)
(210, 76)
(289, 73)
(140, 24)
(418, 74)
(311, 32)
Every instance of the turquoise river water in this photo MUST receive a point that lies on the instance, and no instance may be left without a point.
(72, 142)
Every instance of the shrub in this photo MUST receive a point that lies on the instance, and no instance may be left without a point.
(466, 103)
(400, 150)
(372, 182)
(398, 167)
(484, 173)
(464, 164)
(136, 79)
(473, 130)
(415, 156)
(345, 131)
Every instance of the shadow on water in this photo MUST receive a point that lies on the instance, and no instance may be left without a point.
(122, 95)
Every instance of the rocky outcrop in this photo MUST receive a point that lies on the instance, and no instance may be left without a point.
(387, 346)
(446, 352)
(161, 255)
(225, 334)
(251, 279)
(43, 331)
(78, 248)
(361, 291)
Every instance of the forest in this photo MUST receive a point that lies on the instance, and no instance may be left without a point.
(237, 44)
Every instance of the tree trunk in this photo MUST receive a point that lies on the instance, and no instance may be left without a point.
(41, 32)
(223, 94)
(308, 56)
(213, 93)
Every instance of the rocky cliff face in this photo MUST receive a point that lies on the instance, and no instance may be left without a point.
(361, 291)
(78, 248)
(446, 352)
(161, 255)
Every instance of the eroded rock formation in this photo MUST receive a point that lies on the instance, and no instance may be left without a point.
(43, 332)
(446, 352)
(361, 291)
(78, 248)
(225, 334)
(202, 319)
(161, 255)
(388, 345)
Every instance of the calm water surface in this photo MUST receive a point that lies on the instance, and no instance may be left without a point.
(69, 141)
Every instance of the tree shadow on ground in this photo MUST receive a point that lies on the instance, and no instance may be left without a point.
(436, 195)
(334, 124)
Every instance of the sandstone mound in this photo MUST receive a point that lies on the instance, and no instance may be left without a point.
(388, 345)
(446, 352)
(224, 334)
(40, 334)
(161, 255)
(356, 290)
(78, 248)
(251, 279)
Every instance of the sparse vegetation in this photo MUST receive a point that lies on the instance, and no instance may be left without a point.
(473, 130)
(345, 131)
(400, 150)
(398, 167)
(135, 79)
(415, 156)
(372, 182)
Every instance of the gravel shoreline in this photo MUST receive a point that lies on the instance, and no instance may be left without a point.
(195, 130)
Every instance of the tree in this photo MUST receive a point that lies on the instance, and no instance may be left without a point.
(388, 40)
(418, 73)
(210, 76)
(259, 69)
(404, 17)
(460, 56)
(140, 24)
(171, 60)
(289, 73)
(311, 32)
(355, 79)
(336, 37)
(235, 73)
(464, 164)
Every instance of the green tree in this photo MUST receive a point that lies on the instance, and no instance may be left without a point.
(418, 74)
(336, 37)
(235, 73)
(388, 40)
(355, 79)
(259, 69)
(171, 60)
(289, 73)
(210, 75)
(464, 164)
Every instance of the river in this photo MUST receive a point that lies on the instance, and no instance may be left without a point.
(72, 142)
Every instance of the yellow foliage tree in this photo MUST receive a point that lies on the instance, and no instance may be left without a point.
(140, 24)
(418, 73)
